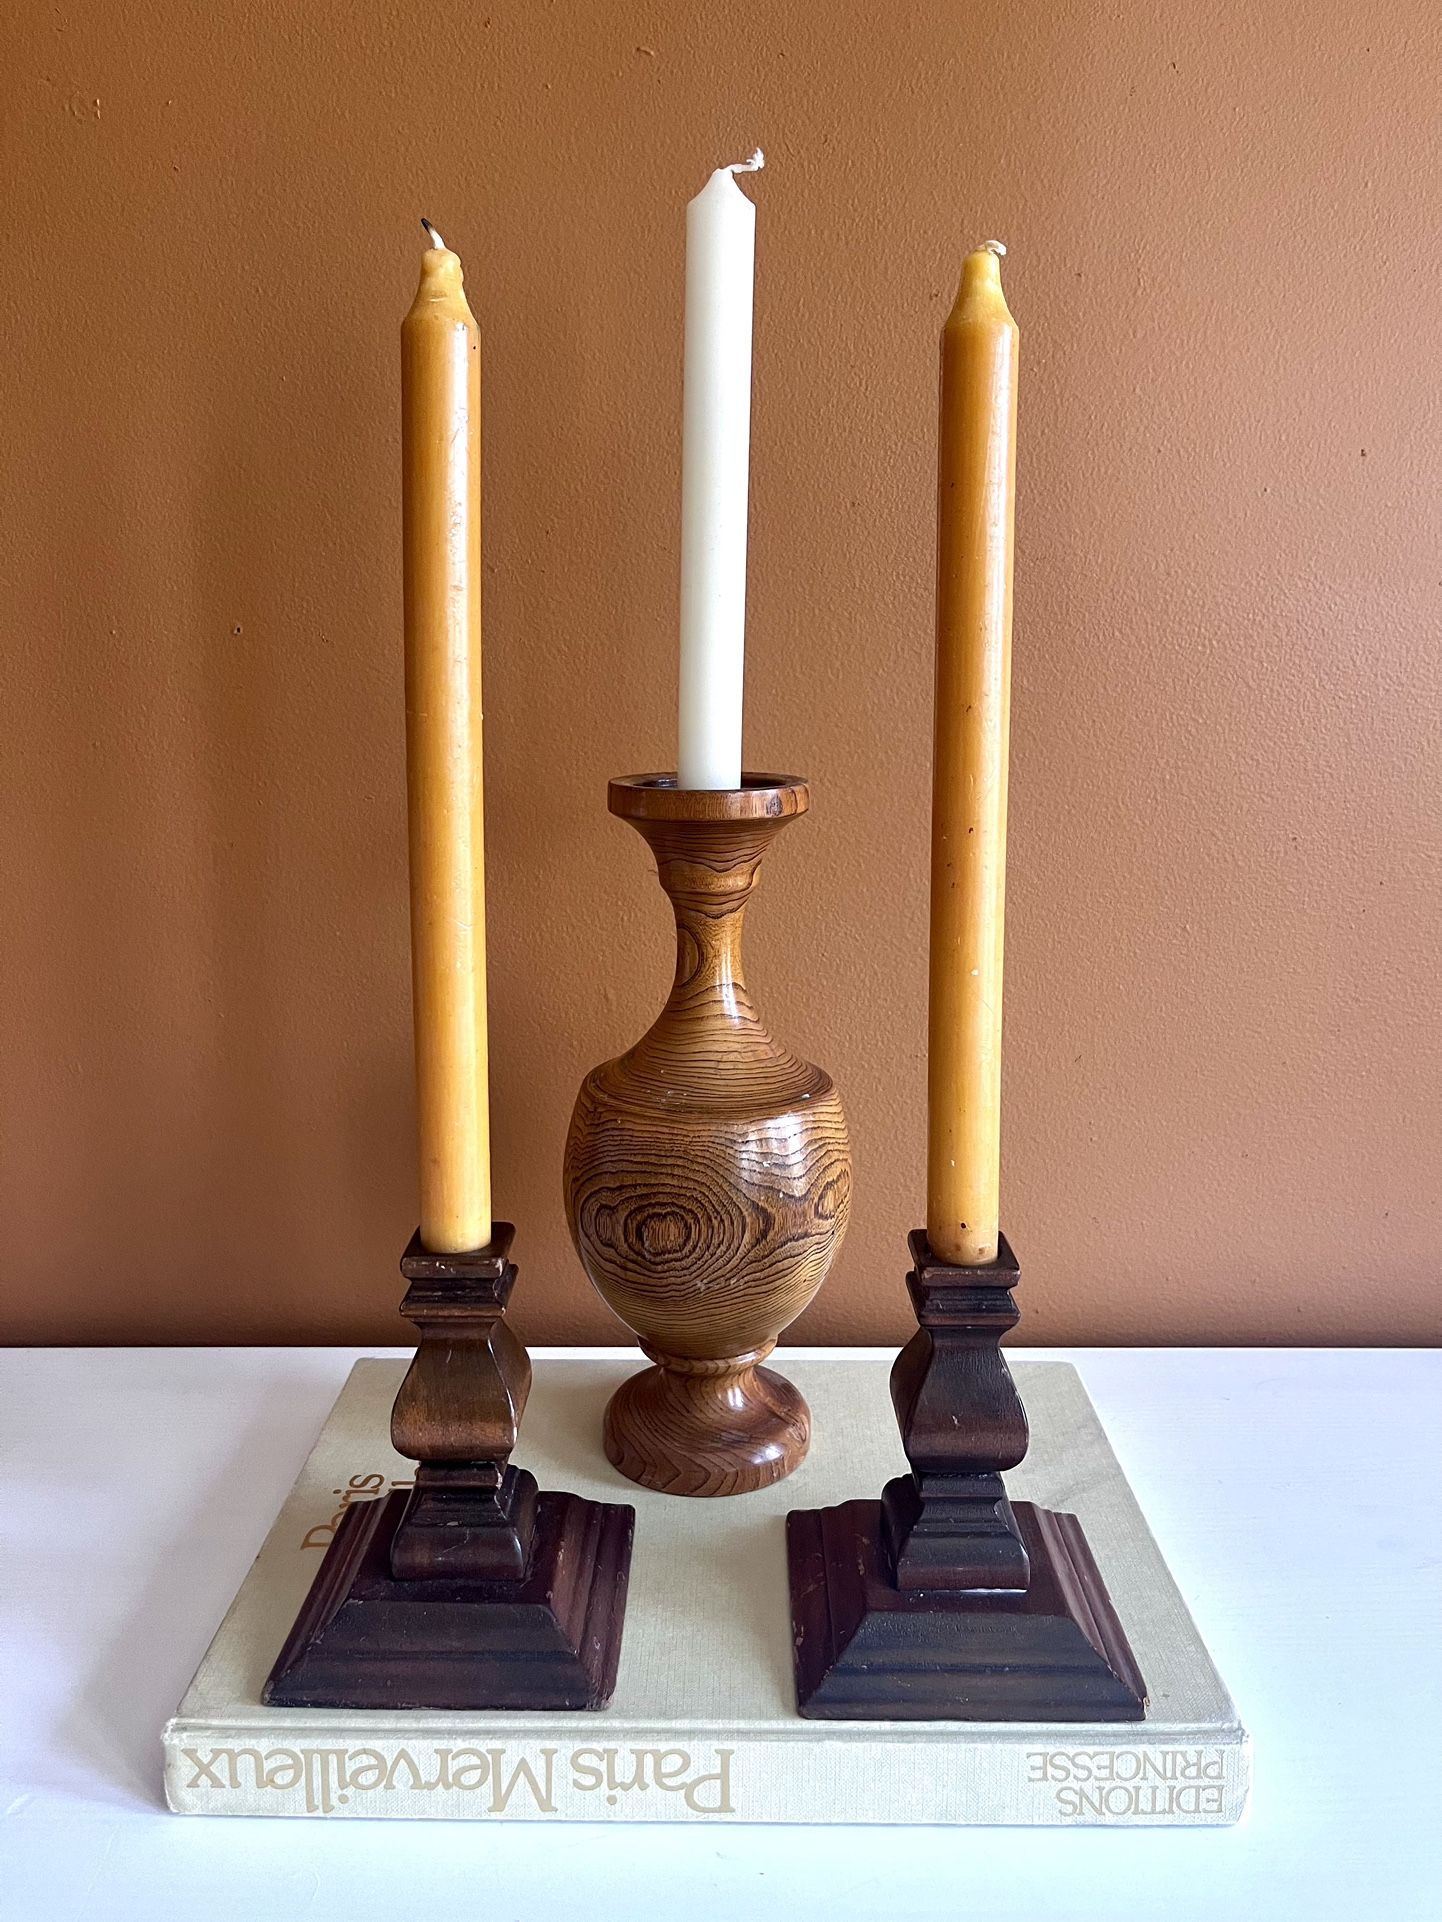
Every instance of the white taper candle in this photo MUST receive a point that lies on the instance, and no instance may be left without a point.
(720, 279)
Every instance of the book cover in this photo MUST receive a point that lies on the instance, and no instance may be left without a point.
(715, 1739)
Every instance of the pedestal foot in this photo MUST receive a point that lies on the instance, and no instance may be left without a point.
(552, 1639)
(868, 1650)
(707, 1427)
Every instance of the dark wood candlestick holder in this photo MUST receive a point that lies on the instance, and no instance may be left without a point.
(708, 1174)
(473, 1589)
(944, 1601)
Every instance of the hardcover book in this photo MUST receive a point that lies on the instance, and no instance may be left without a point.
(703, 1725)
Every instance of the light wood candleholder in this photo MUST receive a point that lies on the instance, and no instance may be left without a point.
(708, 1173)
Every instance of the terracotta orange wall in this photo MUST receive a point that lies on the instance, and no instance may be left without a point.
(1222, 1078)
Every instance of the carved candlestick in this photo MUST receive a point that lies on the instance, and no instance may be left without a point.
(472, 1589)
(708, 1174)
(944, 1601)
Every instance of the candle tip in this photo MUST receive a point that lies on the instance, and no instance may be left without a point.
(997, 247)
(435, 238)
(753, 165)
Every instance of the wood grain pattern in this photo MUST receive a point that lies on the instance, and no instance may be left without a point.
(708, 1172)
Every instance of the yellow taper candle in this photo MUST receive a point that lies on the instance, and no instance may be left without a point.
(976, 496)
(441, 449)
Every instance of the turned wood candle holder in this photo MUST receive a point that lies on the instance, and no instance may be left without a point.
(473, 1589)
(708, 1174)
(944, 1601)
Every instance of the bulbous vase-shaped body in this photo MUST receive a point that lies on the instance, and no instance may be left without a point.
(708, 1174)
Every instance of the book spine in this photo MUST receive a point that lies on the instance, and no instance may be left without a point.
(627, 1776)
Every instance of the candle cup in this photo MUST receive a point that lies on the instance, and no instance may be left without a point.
(708, 1173)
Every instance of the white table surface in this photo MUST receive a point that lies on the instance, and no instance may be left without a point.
(1295, 1494)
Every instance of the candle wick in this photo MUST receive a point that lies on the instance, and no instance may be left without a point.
(751, 166)
(435, 238)
(997, 247)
